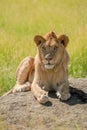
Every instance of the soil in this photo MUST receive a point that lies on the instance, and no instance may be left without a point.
(21, 111)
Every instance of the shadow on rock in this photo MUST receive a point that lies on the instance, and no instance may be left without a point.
(77, 97)
(52, 94)
(48, 104)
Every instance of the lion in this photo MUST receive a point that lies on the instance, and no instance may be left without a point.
(48, 71)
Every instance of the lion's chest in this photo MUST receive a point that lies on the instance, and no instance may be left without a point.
(50, 80)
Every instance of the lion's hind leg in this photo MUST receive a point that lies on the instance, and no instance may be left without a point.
(19, 88)
(23, 72)
(22, 87)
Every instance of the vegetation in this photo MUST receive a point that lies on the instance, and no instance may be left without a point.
(20, 20)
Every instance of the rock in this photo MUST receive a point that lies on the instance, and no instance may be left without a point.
(21, 111)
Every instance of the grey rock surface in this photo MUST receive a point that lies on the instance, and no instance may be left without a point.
(21, 111)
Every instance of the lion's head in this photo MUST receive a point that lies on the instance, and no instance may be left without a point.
(51, 49)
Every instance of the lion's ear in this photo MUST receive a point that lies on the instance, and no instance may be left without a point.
(39, 39)
(63, 39)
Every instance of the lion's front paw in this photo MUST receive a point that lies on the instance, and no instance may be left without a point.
(63, 96)
(43, 97)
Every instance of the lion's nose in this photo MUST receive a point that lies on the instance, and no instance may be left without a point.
(48, 58)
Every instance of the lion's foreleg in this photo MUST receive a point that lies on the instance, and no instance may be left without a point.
(39, 94)
(63, 92)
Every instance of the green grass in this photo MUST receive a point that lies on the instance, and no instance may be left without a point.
(20, 20)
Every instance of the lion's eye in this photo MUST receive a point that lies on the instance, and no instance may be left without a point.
(55, 48)
(44, 48)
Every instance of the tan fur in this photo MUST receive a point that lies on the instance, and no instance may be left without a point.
(48, 71)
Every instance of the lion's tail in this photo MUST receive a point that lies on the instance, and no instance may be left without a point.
(7, 93)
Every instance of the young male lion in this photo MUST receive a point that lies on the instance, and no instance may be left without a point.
(48, 71)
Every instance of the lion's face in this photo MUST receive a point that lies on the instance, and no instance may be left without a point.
(51, 49)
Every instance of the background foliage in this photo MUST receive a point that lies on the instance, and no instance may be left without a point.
(20, 20)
